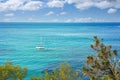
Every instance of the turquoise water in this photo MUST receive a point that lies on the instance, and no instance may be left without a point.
(62, 41)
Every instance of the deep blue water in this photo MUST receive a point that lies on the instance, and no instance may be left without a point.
(68, 42)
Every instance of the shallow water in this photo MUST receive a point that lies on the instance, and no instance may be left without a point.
(62, 42)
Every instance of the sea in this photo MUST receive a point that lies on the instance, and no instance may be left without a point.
(62, 42)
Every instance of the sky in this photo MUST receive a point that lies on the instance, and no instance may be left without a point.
(59, 10)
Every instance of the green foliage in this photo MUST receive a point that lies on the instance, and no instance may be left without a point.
(65, 72)
(11, 72)
(106, 77)
(103, 64)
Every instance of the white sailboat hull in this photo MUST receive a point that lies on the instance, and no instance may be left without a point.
(39, 47)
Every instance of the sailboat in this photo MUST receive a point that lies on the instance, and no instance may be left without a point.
(40, 47)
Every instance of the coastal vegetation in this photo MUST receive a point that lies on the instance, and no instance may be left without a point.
(64, 72)
(102, 66)
(8, 71)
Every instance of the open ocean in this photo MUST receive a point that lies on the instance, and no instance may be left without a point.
(63, 42)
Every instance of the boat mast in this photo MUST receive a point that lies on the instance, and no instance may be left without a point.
(41, 41)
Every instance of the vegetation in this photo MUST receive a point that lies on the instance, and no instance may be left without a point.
(11, 72)
(103, 66)
(65, 72)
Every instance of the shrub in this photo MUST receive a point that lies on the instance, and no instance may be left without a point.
(65, 72)
(12, 72)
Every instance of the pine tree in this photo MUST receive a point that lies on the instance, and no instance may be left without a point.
(104, 66)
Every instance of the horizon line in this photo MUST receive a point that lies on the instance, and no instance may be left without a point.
(62, 22)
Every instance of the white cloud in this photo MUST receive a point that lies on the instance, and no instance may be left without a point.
(63, 13)
(9, 14)
(32, 5)
(84, 5)
(88, 19)
(101, 4)
(117, 4)
(112, 11)
(72, 1)
(49, 13)
(55, 20)
(85, 19)
(56, 3)
(10, 5)
(8, 19)
(14, 5)
(69, 20)
(30, 19)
